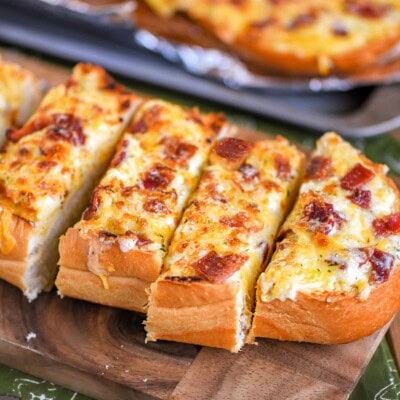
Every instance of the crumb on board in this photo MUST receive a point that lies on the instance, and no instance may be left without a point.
(30, 336)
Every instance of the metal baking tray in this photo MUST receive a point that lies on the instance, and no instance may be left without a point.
(357, 113)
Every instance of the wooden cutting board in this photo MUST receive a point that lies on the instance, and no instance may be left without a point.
(100, 351)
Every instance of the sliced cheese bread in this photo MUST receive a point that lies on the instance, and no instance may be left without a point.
(335, 275)
(205, 294)
(49, 168)
(117, 249)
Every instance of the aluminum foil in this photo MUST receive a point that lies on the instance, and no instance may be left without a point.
(218, 65)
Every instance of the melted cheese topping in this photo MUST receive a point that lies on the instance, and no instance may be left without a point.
(312, 262)
(20, 93)
(316, 28)
(141, 197)
(44, 161)
(235, 213)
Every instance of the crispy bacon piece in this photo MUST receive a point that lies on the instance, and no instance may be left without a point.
(321, 216)
(319, 168)
(367, 9)
(232, 149)
(158, 178)
(149, 118)
(95, 202)
(263, 23)
(356, 177)
(235, 221)
(381, 263)
(248, 172)
(156, 206)
(302, 20)
(120, 156)
(282, 166)
(387, 225)
(361, 197)
(177, 151)
(59, 126)
(141, 240)
(216, 268)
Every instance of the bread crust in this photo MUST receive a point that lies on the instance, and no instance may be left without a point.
(74, 250)
(194, 312)
(123, 292)
(327, 318)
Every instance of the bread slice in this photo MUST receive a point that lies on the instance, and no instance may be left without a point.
(335, 276)
(117, 249)
(205, 295)
(20, 94)
(49, 168)
(306, 38)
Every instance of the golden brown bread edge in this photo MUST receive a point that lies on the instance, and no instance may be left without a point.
(181, 28)
(134, 271)
(311, 318)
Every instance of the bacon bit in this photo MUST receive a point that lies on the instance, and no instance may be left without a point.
(211, 190)
(263, 23)
(248, 172)
(148, 119)
(232, 149)
(94, 202)
(381, 263)
(177, 151)
(319, 168)
(269, 185)
(338, 29)
(120, 156)
(282, 166)
(158, 178)
(387, 225)
(356, 177)
(46, 164)
(141, 240)
(216, 268)
(124, 105)
(322, 216)
(302, 20)
(156, 206)
(66, 127)
(366, 9)
(23, 152)
(361, 197)
(236, 221)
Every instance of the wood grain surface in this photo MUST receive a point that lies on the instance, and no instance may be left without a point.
(100, 351)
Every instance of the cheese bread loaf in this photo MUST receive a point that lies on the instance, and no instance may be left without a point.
(205, 294)
(117, 249)
(335, 275)
(309, 37)
(20, 94)
(49, 167)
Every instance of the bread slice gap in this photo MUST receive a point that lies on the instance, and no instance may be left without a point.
(334, 277)
(49, 168)
(206, 292)
(118, 247)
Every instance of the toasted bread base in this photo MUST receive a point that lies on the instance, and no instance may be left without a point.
(195, 312)
(326, 318)
(123, 292)
(129, 276)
